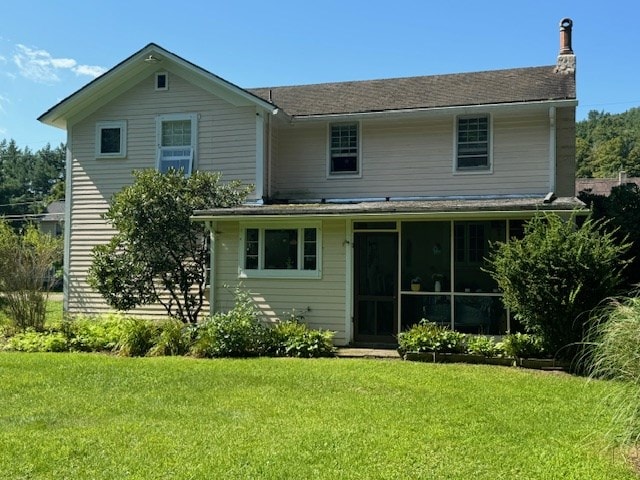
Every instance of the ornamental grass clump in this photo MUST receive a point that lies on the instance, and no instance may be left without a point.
(615, 354)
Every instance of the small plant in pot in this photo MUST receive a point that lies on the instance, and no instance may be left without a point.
(416, 284)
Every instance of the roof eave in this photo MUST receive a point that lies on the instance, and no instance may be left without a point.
(452, 109)
(134, 67)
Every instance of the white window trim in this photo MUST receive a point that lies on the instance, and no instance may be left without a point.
(166, 81)
(193, 117)
(475, 170)
(344, 175)
(122, 125)
(272, 273)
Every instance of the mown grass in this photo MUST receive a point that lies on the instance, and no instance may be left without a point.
(98, 417)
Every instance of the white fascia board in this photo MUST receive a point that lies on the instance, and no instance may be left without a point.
(133, 69)
(436, 215)
(541, 105)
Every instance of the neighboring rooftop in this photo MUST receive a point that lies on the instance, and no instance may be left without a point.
(54, 212)
(603, 186)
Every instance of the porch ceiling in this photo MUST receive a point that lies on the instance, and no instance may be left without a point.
(500, 207)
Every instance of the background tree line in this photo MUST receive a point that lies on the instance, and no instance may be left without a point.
(29, 180)
(608, 143)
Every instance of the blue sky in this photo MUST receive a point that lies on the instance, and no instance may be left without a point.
(49, 49)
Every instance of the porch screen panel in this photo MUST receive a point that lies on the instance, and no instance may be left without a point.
(472, 242)
(426, 256)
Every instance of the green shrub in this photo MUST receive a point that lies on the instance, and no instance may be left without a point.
(25, 263)
(487, 346)
(555, 274)
(430, 337)
(99, 334)
(615, 337)
(32, 341)
(236, 333)
(174, 338)
(137, 337)
(295, 339)
(523, 345)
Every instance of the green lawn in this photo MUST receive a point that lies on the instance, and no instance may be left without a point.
(96, 416)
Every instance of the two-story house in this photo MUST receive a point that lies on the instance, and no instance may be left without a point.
(375, 201)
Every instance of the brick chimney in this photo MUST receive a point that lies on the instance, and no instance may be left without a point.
(566, 58)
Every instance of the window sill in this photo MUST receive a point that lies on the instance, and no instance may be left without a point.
(292, 274)
(474, 171)
(112, 157)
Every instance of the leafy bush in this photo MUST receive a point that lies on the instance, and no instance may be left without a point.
(98, 334)
(487, 346)
(137, 337)
(616, 355)
(555, 274)
(174, 338)
(236, 333)
(25, 262)
(33, 341)
(523, 345)
(294, 339)
(430, 337)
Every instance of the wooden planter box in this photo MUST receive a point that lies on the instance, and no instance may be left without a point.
(432, 357)
(535, 363)
(543, 364)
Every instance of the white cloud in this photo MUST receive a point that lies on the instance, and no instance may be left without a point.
(63, 62)
(38, 65)
(90, 70)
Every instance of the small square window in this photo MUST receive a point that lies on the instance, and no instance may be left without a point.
(162, 81)
(111, 139)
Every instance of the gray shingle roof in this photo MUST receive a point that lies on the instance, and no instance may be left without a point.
(397, 207)
(478, 88)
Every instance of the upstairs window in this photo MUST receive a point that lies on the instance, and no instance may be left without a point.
(176, 142)
(283, 251)
(344, 149)
(162, 81)
(472, 143)
(111, 139)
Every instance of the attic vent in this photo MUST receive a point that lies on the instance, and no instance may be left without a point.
(162, 81)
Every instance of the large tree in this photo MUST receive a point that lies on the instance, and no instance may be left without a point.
(620, 213)
(29, 180)
(608, 143)
(158, 254)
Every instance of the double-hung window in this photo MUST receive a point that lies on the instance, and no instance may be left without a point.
(473, 145)
(344, 149)
(111, 139)
(281, 251)
(177, 140)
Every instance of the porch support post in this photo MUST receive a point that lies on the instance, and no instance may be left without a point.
(211, 226)
(348, 294)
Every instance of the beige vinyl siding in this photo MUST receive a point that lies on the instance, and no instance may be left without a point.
(415, 158)
(226, 142)
(321, 301)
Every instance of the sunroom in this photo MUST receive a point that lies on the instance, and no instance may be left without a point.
(387, 264)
